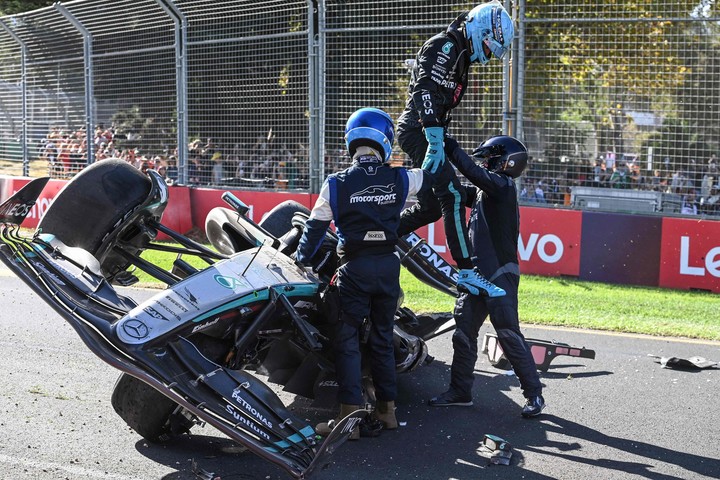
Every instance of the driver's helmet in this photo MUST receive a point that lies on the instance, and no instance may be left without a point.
(503, 154)
(370, 127)
(490, 31)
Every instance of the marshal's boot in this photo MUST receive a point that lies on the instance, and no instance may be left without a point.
(385, 413)
(325, 428)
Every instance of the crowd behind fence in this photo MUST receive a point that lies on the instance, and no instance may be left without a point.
(618, 103)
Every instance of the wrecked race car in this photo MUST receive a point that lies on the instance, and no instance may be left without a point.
(203, 348)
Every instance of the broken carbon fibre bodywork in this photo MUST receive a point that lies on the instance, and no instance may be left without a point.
(543, 352)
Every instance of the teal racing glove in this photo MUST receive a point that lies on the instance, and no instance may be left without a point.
(435, 155)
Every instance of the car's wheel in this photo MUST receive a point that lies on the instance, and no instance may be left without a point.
(93, 203)
(147, 411)
(279, 220)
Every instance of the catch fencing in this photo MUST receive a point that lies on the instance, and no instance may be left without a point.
(618, 102)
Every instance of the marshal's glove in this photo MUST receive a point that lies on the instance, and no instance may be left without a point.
(435, 156)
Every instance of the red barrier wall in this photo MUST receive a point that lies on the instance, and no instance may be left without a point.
(202, 200)
(678, 253)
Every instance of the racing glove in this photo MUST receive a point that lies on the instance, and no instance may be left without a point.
(435, 156)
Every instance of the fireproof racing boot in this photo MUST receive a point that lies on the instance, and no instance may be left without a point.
(533, 406)
(471, 281)
(451, 399)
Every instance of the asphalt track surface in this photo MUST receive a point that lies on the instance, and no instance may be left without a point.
(619, 416)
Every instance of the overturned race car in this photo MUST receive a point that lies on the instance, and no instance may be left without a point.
(198, 350)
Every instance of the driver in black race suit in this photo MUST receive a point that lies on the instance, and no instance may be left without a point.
(365, 202)
(494, 229)
(437, 84)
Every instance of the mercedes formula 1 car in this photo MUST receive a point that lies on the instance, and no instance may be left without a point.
(207, 347)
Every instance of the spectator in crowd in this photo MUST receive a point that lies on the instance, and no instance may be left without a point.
(50, 153)
(637, 179)
(710, 176)
(678, 182)
(689, 203)
(208, 158)
(540, 192)
(171, 173)
(620, 177)
(554, 191)
(658, 182)
(64, 154)
(194, 168)
(162, 171)
(218, 168)
(235, 162)
(610, 161)
(76, 157)
(144, 166)
(524, 189)
(599, 174)
(695, 174)
(710, 205)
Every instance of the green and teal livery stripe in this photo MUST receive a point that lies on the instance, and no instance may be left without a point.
(458, 222)
(297, 290)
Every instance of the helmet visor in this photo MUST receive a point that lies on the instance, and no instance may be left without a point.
(495, 47)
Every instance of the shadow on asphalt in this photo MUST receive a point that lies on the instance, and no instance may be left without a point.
(443, 443)
(558, 425)
(211, 454)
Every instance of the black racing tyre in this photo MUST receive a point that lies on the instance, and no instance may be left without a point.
(145, 410)
(92, 204)
(279, 220)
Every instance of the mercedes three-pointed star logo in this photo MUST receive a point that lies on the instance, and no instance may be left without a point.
(135, 328)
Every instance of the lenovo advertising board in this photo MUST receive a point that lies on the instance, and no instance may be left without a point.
(549, 242)
(690, 254)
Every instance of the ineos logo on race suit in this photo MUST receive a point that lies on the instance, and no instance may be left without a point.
(427, 103)
(380, 194)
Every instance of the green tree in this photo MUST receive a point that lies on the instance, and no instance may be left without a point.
(12, 7)
(599, 68)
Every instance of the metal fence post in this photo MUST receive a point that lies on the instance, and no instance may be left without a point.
(508, 88)
(314, 79)
(89, 79)
(23, 88)
(519, 63)
(180, 21)
(322, 103)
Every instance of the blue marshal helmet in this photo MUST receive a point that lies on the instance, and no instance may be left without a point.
(370, 127)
